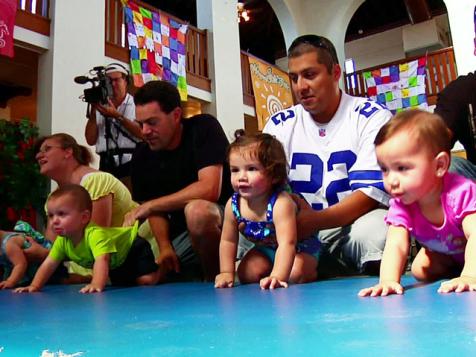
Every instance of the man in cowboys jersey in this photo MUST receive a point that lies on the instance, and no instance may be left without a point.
(328, 138)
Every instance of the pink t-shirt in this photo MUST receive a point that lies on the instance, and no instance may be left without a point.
(458, 199)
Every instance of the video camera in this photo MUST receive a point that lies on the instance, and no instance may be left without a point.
(101, 89)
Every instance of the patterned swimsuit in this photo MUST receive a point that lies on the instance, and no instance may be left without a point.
(263, 234)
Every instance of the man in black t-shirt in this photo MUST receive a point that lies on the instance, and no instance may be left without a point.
(179, 176)
(456, 104)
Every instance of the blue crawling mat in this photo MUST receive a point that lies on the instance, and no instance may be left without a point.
(325, 318)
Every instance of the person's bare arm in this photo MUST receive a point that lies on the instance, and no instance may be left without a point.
(168, 259)
(341, 214)
(284, 218)
(91, 130)
(110, 111)
(102, 211)
(131, 126)
(100, 275)
(207, 187)
(228, 248)
(467, 280)
(394, 259)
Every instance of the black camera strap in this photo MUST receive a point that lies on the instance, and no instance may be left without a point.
(116, 150)
(120, 131)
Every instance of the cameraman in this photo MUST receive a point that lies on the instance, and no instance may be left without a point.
(112, 127)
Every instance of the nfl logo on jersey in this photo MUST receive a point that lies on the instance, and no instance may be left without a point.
(322, 132)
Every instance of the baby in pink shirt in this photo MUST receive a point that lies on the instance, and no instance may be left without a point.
(437, 208)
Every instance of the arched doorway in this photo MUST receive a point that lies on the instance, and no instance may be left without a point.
(379, 33)
(262, 35)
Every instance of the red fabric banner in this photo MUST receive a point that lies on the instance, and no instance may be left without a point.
(8, 10)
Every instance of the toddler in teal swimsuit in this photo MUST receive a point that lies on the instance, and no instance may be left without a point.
(266, 215)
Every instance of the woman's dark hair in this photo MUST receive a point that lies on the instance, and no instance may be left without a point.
(269, 152)
(80, 152)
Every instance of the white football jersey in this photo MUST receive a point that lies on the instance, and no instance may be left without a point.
(329, 161)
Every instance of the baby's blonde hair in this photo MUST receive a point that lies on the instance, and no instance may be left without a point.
(78, 193)
(425, 128)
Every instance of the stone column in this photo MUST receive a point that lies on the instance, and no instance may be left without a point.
(460, 16)
(219, 17)
(76, 45)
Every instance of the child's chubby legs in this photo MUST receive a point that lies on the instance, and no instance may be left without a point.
(304, 269)
(431, 266)
(254, 266)
(7, 234)
(15, 238)
(258, 263)
(149, 279)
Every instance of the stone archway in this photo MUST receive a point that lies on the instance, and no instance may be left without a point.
(286, 20)
(329, 19)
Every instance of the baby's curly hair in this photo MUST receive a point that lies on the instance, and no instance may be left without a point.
(269, 152)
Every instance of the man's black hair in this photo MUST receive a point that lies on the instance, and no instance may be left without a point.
(326, 51)
(162, 92)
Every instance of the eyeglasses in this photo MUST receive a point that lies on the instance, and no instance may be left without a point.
(118, 79)
(315, 41)
(47, 148)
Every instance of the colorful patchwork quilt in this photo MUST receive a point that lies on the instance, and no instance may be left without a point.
(157, 47)
(399, 87)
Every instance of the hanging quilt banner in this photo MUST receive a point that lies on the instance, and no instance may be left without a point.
(157, 47)
(399, 87)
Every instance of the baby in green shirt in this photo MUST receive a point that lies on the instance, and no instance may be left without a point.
(114, 252)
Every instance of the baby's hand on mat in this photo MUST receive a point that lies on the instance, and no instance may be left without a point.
(224, 280)
(27, 289)
(7, 284)
(383, 288)
(458, 285)
(271, 282)
(91, 288)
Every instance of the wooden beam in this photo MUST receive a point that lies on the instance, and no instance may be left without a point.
(418, 10)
